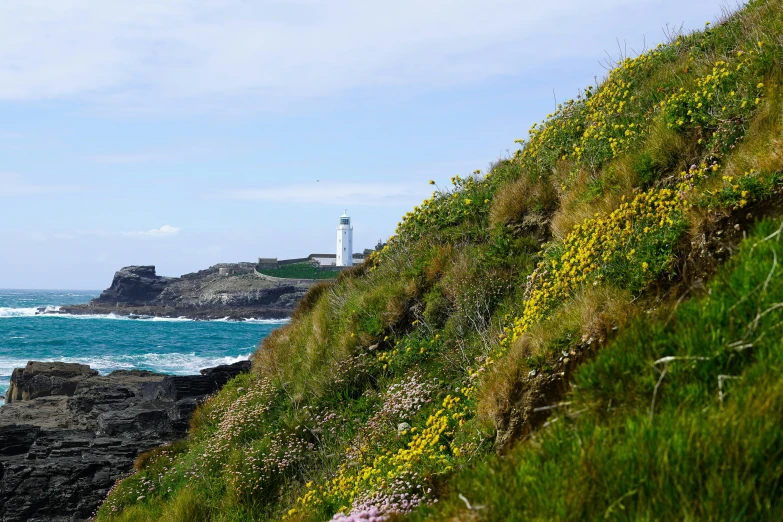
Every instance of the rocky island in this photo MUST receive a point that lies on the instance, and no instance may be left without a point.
(67, 433)
(233, 291)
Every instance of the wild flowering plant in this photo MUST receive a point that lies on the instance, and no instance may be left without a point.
(718, 103)
(235, 419)
(401, 401)
(257, 468)
(631, 246)
(369, 515)
(225, 446)
(400, 495)
(352, 369)
(739, 190)
(468, 201)
(408, 352)
(598, 125)
(390, 476)
(155, 481)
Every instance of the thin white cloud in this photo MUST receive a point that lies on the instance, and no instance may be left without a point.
(330, 193)
(164, 56)
(164, 231)
(15, 185)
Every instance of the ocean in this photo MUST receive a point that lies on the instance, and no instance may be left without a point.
(107, 343)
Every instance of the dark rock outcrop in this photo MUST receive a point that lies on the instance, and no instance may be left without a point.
(134, 285)
(40, 379)
(67, 433)
(138, 291)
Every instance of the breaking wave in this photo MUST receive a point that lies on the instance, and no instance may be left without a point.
(6, 312)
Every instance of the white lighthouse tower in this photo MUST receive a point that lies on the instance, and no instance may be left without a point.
(344, 241)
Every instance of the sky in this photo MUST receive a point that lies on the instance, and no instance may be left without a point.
(186, 133)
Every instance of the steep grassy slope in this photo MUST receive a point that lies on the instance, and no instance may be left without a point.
(679, 418)
(583, 260)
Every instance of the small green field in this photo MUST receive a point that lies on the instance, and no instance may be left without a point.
(304, 270)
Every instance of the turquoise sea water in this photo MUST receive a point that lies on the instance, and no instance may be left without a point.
(107, 343)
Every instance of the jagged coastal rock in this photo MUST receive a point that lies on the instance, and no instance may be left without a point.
(207, 294)
(67, 433)
(134, 285)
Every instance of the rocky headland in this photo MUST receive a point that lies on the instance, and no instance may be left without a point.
(67, 433)
(207, 294)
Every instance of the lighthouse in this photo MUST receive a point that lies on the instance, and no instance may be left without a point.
(344, 241)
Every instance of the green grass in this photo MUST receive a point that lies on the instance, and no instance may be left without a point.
(304, 270)
(401, 379)
(707, 445)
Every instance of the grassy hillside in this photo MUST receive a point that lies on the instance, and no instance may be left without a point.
(679, 418)
(588, 330)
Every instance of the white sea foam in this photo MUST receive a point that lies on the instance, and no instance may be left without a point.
(254, 321)
(175, 363)
(171, 363)
(7, 365)
(17, 312)
(6, 312)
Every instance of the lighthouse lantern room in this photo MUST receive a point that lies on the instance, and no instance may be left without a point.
(344, 241)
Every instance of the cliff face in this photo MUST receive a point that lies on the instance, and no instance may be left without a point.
(66, 433)
(134, 285)
(200, 295)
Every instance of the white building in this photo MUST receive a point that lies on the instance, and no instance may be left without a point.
(344, 241)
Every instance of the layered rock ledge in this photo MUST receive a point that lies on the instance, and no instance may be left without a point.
(139, 291)
(67, 433)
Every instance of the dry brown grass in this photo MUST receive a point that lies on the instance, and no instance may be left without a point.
(576, 205)
(762, 147)
(521, 197)
(310, 298)
(668, 148)
(589, 318)
(457, 275)
(267, 360)
(353, 272)
(297, 350)
(438, 263)
(337, 320)
(601, 191)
